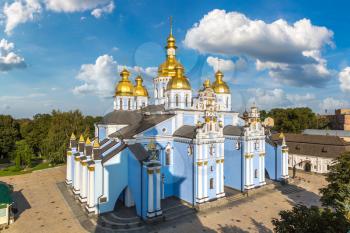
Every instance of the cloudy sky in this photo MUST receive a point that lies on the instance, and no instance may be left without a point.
(66, 55)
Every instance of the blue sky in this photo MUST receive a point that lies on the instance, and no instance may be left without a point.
(66, 54)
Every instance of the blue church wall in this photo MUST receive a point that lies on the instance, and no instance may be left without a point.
(270, 161)
(101, 133)
(158, 129)
(279, 162)
(115, 180)
(98, 179)
(256, 167)
(233, 166)
(188, 119)
(134, 180)
(212, 175)
(182, 175)
(167, 171)
(228, 120)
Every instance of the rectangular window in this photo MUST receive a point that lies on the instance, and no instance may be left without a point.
(211, 183)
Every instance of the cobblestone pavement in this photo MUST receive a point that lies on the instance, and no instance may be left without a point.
(42, 207)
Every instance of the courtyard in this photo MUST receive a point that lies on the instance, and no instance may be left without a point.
(44, 207)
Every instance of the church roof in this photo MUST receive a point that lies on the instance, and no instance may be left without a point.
(108, 146)
(122, 117)
(139, 151)
(154, 108)
(186, 131)
(138, 127)
(231, 130)
(113, 152)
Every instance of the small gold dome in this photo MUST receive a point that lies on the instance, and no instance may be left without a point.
(206, 83)
(96, 143)
(167, 68)
(124, 87)
(219, 86)
(179, 81)
(171, 42)
(81, 139)
(139, 89)
(88, 142)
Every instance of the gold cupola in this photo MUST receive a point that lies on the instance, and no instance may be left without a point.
(179, 81)
(124, 87)
(139, 89)
(219, 86)
(167, 68)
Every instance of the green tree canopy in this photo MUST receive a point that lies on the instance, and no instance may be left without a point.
(9, 133)
(302, 219)
(337, 193)
(23, 154)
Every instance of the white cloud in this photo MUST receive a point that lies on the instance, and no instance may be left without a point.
(74, 5)
(222, 64)
(290, 51)
(344, 79)
(8, 59)
(20, 11)
(98, 12)
(100, 78)
(330, 104)
(275, 98)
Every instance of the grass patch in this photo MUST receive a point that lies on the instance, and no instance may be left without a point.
(13, 170)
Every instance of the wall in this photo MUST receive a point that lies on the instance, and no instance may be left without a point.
(182, 174)
(134, 180)
(233, 165)
(115, 180)
(270, 161)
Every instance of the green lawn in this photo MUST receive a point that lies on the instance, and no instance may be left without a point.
(13, 171)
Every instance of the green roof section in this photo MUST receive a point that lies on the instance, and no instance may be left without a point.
(5, 195)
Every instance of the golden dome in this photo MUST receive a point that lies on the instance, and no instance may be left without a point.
(139, 89)
(124, 87)
(88, 142)
(219, 86)
(96, 143)
(179, 81)
(81, 139)
(72, 137)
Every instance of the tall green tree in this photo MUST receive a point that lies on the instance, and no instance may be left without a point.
(23, 154)
(302, 219)
(337, 193)
(9, 133)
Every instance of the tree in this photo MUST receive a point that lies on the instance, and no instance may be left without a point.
(9, 133)
(337, 192)
(23, 154)
(302, 219)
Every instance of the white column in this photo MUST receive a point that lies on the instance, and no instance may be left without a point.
(91, 196)
(205, 179)
(217, 180)
(150, 194)
(222, 176)
(158, 207)
(69, 168)
(84, 177)
(199, 180)
(76, 175)
(251, 170)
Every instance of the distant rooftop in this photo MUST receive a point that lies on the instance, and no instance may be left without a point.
(326, 132)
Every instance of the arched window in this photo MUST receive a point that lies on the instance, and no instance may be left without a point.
(155, 93)
(256, 173)
(226, 102)
(211, 185)
(120, 104)
(129, 104)
(163, 91)
(186, 100)
(177, 100)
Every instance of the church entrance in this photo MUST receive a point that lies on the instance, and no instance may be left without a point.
(125, 204)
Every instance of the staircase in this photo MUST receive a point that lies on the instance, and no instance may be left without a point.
(178, 211)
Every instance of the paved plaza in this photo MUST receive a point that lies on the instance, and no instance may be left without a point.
(43, 207)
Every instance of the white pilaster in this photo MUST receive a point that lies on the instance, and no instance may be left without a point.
(217, 178)
(91, 189)
(158, 197)
(222, 176)
(199, 181)
(84, 177)
(76, 188)
(69, 168)
(150, 194)
(205, 180)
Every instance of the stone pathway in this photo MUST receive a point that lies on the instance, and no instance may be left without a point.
(43, 208)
